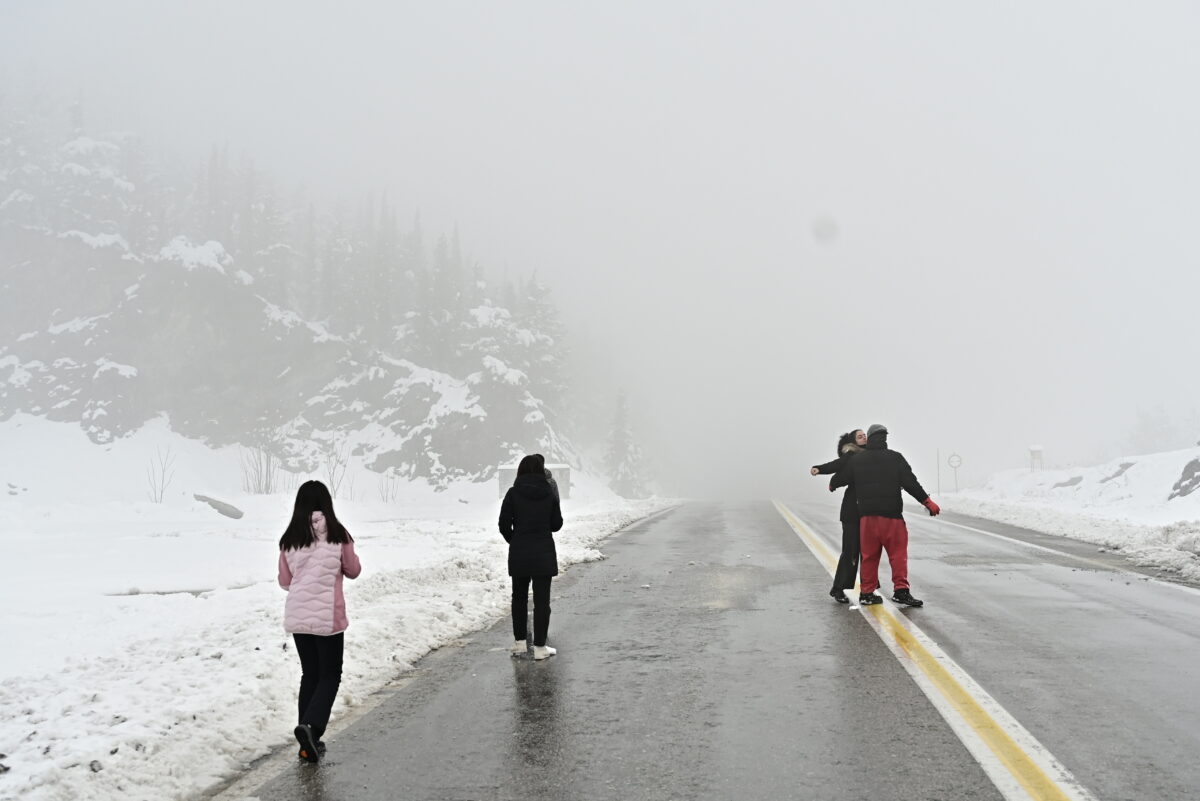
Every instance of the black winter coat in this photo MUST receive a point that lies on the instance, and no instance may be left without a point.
(878, 475)
(849, 513)
(528, 517)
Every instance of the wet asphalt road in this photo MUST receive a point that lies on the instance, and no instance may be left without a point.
(1102, 666)
(732, 675)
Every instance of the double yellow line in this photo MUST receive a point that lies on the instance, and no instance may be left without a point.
(1020, 766)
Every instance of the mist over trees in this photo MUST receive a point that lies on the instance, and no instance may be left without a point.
(252, 314)
(624, 460)
(1154, 430)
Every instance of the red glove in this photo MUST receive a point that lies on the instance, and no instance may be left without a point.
(933, 508)
(831, 487)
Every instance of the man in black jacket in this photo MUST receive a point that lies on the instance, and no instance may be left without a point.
(878, 475)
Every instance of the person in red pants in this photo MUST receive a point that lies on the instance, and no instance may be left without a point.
(878, 475)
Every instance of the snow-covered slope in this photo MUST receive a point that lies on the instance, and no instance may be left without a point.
(138, 634)
(1147, 507)
(180, 335)
(127, 295)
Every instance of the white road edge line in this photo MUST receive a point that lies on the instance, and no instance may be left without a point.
(1102, 565)
(1003, 778)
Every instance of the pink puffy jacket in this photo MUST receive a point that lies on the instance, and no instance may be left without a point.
(313, 578)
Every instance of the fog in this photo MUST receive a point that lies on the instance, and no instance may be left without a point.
(769, 223)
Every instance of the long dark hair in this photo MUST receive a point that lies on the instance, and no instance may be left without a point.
(312, 496)
(532, 465)
(847, 439)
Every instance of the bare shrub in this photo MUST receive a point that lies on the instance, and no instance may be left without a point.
(159, 473)
(389, 487)
(337, 458)
(288, 482)
(260, 471)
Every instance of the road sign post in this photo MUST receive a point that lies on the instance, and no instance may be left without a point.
(955, 462)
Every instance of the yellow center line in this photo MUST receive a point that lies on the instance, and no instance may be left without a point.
(1013, 756)
(1030, 775)
(824, 552)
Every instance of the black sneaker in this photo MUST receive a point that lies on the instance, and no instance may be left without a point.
(309, 751)
(868, 598)
(839, 596)
(905, 597)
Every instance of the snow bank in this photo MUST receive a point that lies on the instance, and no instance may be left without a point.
(97, 241)
(1143, 506)
(211, 255)
(138, 635)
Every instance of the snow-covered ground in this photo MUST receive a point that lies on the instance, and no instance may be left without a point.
(144, 655)
(1134, 505)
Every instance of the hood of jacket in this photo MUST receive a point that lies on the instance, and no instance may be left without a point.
(850, 447)
(533, 487)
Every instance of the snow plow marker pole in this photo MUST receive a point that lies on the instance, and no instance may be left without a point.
(1019, 766)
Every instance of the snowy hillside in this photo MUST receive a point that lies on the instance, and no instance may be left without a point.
(129, 294)
(151, 632)
(1147, 507)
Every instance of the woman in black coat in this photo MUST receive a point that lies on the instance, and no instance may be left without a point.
(849, 444)
(529, 517)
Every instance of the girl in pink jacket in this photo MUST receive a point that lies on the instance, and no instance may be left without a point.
(315, 553)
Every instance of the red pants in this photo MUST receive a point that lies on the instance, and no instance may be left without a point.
(875, 535)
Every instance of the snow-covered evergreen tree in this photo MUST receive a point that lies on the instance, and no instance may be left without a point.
(546, 343)
(624, 459)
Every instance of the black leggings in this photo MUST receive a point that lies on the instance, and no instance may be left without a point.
(847, 567)
(321, 663)
(541, 608)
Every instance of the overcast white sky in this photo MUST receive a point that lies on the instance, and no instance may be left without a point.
(1014, 185)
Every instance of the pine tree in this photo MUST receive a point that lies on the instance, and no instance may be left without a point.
(91, 191)
(437, 324)
(624, 457)
(1154, 430)
(264, 244)
(547, 351)
(408, 292)
(309, 286)
(217, 209)
(510, 294)
(141, 196)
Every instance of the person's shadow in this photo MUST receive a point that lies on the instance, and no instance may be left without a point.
(536, 719)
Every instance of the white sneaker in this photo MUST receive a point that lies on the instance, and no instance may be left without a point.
(543, 651)
(519, 648)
